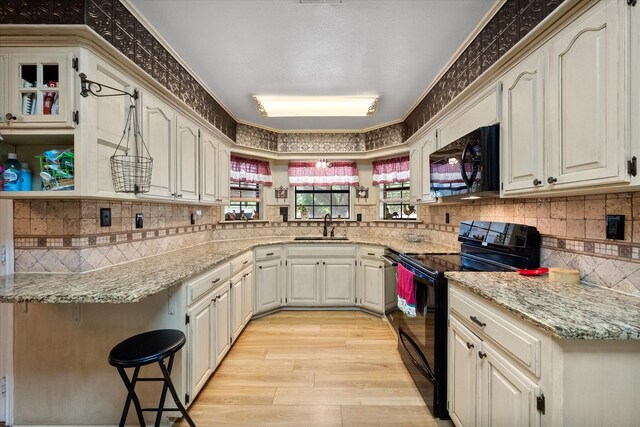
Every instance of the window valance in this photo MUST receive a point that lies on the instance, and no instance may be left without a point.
(307, 173)
(250, 170)
(391, 170)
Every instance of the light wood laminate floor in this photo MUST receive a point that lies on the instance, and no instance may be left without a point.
(318, 368)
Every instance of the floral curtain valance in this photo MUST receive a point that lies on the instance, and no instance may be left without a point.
(250, 170)
(307, 173)
(391, 170)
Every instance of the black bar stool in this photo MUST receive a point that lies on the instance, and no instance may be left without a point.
(143, 349)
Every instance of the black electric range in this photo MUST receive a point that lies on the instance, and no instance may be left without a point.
(422, 340)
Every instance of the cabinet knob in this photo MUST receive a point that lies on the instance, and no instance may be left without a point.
(469, 345)
(317, 262)
(179, 196)
(10, 116)
(536, 181)
(482, 355)
(260, 267)
(379, 266)
(552, 180)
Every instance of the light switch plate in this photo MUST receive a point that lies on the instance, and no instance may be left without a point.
(139, 220)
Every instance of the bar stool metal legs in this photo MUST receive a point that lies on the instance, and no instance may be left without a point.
(145, 349)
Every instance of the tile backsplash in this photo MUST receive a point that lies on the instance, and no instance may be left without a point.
(65, 236)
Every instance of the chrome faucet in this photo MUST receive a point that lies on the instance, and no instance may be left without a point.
(324, 227)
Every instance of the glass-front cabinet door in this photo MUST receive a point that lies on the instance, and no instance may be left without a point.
(40, 89)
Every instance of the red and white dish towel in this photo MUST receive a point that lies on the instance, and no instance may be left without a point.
(406, 292)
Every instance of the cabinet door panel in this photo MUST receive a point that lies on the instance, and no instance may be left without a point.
(523, 125)
(222, 329)
(187, 160)
(200, 346)
(415, 171)
(267, 286)
(372, 284)
(510, 397)
(236, 303)
(247, 299)
(588, 141)
(302, 282)
(224, 169)
(338, 282)
(462, 374)
(209, 168)
(426, 148)
(158, 132)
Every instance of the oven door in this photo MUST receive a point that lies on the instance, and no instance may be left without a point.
(420, 344)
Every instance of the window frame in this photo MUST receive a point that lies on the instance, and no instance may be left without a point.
(243, 201)
(315, 189)
(404, 186)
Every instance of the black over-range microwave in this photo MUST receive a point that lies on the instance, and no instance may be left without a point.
(468, 166)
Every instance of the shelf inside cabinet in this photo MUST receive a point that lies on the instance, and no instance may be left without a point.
(53, 175)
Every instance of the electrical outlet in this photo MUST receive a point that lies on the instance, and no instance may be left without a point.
(446, 218)
(139, 220)
(615, 227)
(105, 217)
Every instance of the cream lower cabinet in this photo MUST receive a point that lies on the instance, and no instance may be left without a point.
(241, 293)
(493, 367)
(208, 320)
(337, 281)
(321, 275)
(370, 293)
(222, 328)
(268, 286)
(201, 344)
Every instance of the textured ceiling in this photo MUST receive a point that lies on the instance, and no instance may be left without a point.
(239, 48)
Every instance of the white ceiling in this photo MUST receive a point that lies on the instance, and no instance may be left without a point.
(241, 48)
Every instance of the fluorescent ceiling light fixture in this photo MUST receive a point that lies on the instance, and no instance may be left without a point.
(316, 106)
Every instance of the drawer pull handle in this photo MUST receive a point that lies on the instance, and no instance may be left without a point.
(469, 345)
(269, 254)
(482, 355)
(215, 281)
(244, 263)
(477, 322)
(370, 253)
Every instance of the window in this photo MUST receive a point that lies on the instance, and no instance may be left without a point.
(319, 201)
(245, 200)
(394, 200)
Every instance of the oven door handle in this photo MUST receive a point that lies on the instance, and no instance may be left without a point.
(424, 368)
(389, 261)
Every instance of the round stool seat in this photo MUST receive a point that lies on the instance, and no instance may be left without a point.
(146, 348)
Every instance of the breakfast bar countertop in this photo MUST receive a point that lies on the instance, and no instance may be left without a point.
(581, 311)
(132, 281)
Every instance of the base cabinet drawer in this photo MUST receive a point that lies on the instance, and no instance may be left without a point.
(510, 337)
(204, 283)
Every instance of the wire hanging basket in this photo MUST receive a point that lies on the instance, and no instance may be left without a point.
(132, 173)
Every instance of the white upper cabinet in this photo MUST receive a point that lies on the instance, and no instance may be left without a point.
(158, 130)
(209, 170)
(588, 99)
(224, 171)
(419, 152)
(40, 88)
(523, 125)
(187, 159)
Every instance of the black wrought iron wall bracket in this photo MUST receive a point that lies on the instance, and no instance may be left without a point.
(94, 88)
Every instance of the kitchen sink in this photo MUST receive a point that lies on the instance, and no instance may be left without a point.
(320, 238)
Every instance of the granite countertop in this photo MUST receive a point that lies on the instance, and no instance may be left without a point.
(580, 311)
(132, 281)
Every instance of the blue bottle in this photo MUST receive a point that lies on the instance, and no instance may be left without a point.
(25, 176)
(11, 173)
